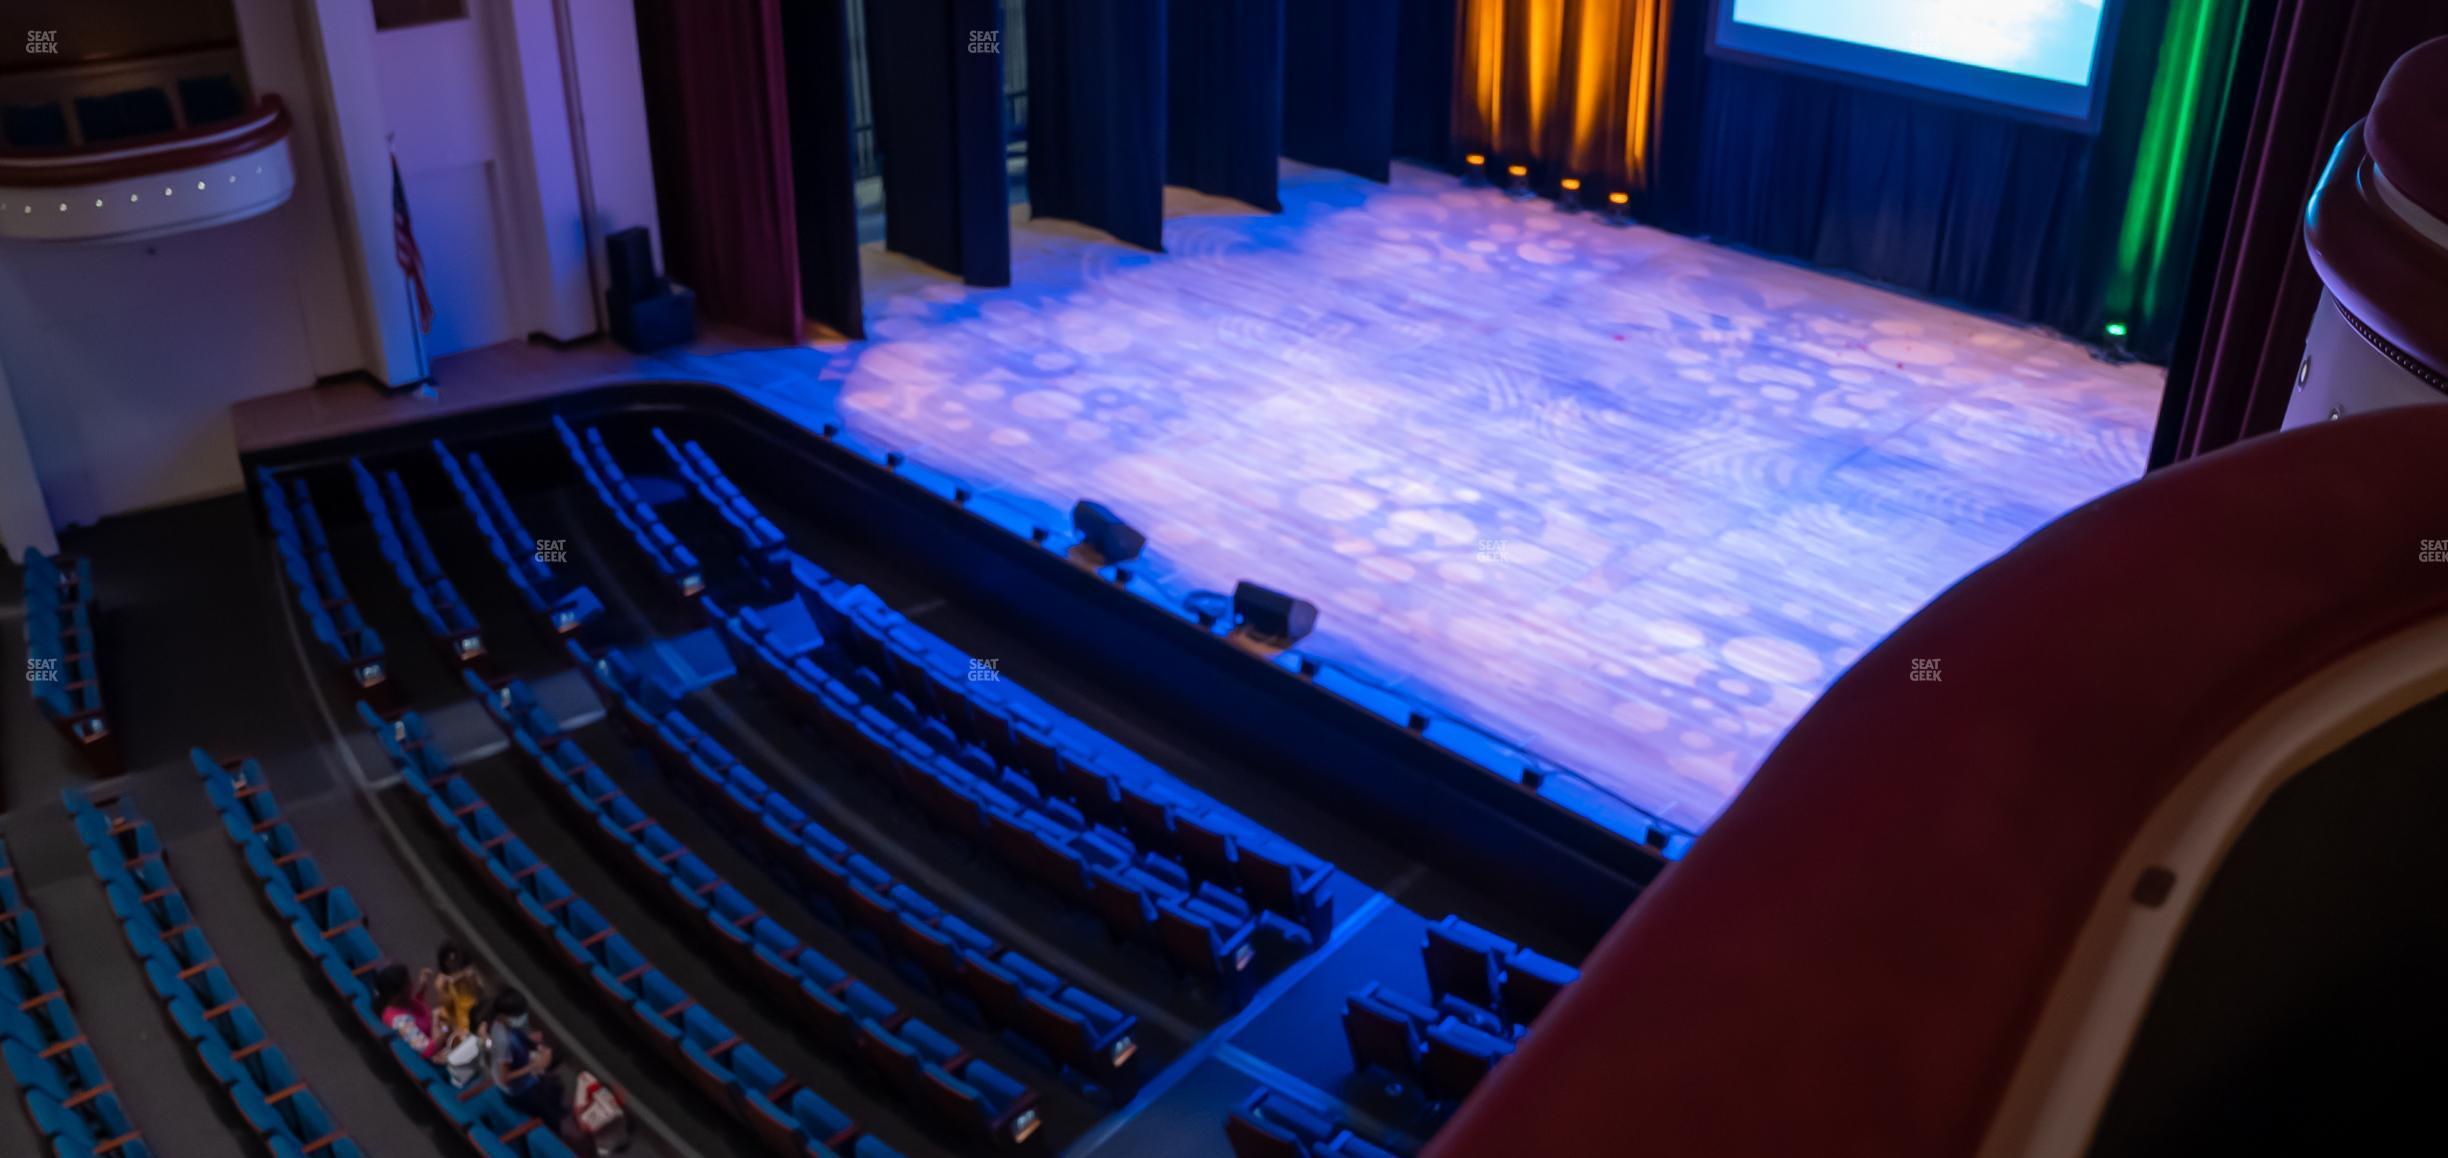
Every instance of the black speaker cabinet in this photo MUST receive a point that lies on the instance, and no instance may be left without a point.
(1273, 615)
(1112, 539)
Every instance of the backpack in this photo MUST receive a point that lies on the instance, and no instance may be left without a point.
(597, 1109)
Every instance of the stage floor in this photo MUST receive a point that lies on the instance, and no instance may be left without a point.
(1625, 498)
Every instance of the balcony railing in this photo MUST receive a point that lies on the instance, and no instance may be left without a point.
(150, 185)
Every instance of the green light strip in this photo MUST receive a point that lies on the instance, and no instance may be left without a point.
(2195, 55)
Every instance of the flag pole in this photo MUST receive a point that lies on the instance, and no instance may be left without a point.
(416, 333)
(424, 381)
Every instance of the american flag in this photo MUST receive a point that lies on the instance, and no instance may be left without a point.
(411, 260)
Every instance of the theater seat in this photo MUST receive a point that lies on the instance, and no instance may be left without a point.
(1382, 1035)
(1462, 960)
(1458, 1058)
(1531, 982)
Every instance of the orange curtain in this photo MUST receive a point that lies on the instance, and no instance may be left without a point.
(1569, 87)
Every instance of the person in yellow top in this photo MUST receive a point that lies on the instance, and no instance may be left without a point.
(456, 988)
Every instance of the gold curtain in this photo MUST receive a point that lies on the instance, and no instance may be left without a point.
(1569, 87)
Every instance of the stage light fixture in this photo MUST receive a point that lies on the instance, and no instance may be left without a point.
(1474, 169)
(1517, 182)
(1570, 200)
(1619, 209)
(2114, 351)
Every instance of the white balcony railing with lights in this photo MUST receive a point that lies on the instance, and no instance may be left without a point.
(150, 187)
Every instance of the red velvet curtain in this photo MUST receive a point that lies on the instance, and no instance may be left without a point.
(2324, 63)
(718, 117)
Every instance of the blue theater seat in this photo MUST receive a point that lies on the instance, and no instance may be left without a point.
(1458, 1056)
(1532, 982)
(60, 642)
(990, 763)
(889, 918)
(329, 930)
(68, 1099)
(354, 648)
(724, 1067)
(402, 543)
(559, 604)
(262, 1086)
(1271, 1124)
(603, 474)
(1462, 960)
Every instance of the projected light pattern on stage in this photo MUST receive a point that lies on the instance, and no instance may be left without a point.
(1628, 499)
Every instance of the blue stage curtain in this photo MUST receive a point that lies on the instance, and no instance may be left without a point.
(1097, 113)
(1982, 209)
(1424, 32)
(1962, 205)
(935, 72)
(1227, 98)
(824, 173)
(1338, 90)
(717, 115)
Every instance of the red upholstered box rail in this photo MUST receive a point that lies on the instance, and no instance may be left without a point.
(1851, 960)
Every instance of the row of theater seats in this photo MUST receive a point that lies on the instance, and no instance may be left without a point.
(851, 1018)
(1208, 932)
(996, 726)
(965, 707)
(1006, 769)
(558, 604)
(1485, 991)
(788, 1117)
(401, 539)
(612, 486)
(986, 980)
(1445, 1049)
(1273, 1124)
(68, 1098)
(759, 539)
(1477, 966)
(331, 616)
(180, 965)
(332, 934)
(61, 671)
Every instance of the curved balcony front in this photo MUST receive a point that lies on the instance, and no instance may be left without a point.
(150, 187)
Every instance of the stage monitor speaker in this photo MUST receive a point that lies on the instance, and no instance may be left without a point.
(1271, 614)
(656, 322)
(1105, 533)
(630, 253)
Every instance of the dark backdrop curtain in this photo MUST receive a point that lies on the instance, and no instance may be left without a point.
(1338, 85)
(717, 118)
(1227, 98)
(1424, 80)
(824, 175)
(1991, 211)
(939, 133)
(1097, 113)
(2322, 66)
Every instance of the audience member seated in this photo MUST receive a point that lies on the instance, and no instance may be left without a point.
(328, 929)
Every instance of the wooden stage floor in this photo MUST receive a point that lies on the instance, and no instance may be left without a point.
(1626, 498)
